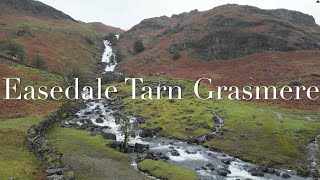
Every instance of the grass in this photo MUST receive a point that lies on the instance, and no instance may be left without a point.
(15, 159)
(90, 156)
(252, 130)
(163, 170)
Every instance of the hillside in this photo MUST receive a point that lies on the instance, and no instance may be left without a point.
(31, 31)
(225, 32)
(233, 44)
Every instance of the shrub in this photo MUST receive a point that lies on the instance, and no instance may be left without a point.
(119, 56)
(38, 62)
(89, 40)
(12, 49)
(138, 46)
(176, 55)
(111, 37)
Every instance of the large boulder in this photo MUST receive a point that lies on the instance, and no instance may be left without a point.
(147, 133)
(223, 172)
(175, 153)
(99, 120)
(109, 136)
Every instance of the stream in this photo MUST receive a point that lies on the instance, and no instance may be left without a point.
(208, 164)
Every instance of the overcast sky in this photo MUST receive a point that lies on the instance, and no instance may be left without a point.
(127, 13)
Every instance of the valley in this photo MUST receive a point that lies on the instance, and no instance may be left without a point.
(141, 114)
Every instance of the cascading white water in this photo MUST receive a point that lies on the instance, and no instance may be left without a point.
(109, 57)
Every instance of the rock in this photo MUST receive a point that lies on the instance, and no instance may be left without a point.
(109, 136)
(295, 83)
(87, 113)
(163, 157)
(192, 140)
(201, 140)
(191, 152)
(286, 175)
(257, 173)
(141, 120)
(147, 133)
(210, 166)
(141, 146)
(99, 120)
(189, 129)
(50, 172)
(149, 156)
(12, 178)
(115, 145)
(226, 161)
(175, 153)
(270, 171)
(55, 177)
(315, 75)
(223, 172)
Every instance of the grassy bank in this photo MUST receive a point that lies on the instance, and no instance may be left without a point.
(90, 156)
(163, 170)
(254, 132)
(15, 159)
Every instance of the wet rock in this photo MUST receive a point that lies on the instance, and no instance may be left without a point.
(210, 166)
(109, 136)
(149, 156)
(87, 113)
(223, 172)
(163, 157)
(191, 152)
(277, 173)
(286, 175)
(270, 171)
(139, 146)
(175, 153)
(192, 140)
(99, 120)
(257, 173)
(226, 161)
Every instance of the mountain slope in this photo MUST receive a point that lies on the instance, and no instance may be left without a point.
(224, 32)
(31, 31)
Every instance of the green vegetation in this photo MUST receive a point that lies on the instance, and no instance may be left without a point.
(15, 159)
(176, 55)
(38, 62)
(90, 156)
(170, 114)
(111, 37)
(12, 49)
(138, 46)
(252, 131)
(163, 170)
(126, 129)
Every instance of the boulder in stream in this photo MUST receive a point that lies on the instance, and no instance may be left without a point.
(175, 153)
(99, 120)
(109, 136)
(223, 172)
